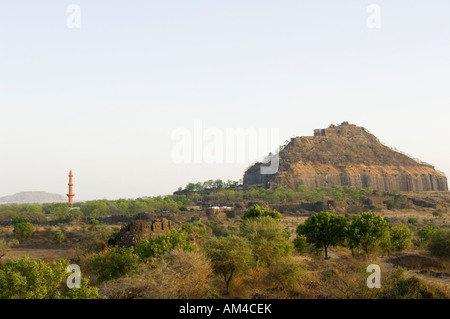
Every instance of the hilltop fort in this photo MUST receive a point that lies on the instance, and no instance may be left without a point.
(346, 155)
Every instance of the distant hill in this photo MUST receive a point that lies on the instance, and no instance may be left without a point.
(346, 155)
(32, 198)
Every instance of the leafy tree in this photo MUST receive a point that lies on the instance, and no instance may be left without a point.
(301, 244)
(324, 230)
(196, 231)
(258, 211)
(23, 227)
(425, 234)
(367, 231)
(229, 255)
(161, 245)
(269, 240)
(401, 238)
(440, 243)
(35, 279)
(59, 237)
(116, 263)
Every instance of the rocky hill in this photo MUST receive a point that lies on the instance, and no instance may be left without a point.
(346, 155)
(32, 197)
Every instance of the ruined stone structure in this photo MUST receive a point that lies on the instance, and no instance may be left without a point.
(346, 155)
(130, 234)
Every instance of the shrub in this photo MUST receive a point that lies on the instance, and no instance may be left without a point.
(180, 274)
(301, 244)
(116, 263)
(401, 238)
(425, 234)
(440, 243)
(59, 237)
(258, 211)
(35, 279)
(413, 221)
(150, 248)
(25, 229)
(285, 274)
(437, 213)
(94, 222)
(400, 287)
(269, 240)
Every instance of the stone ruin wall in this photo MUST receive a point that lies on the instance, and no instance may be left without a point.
(129, 235)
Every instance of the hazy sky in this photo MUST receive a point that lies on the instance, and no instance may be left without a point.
(104, 99)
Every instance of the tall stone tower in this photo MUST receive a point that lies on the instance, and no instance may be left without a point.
(71, 194)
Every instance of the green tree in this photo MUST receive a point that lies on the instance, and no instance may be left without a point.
(36, 279)
(301, 244)
(425, 234)
(367, 231)
(229, 255)
(258, 211)
(116, 263)
(58, 237)
(401, 238)
(23, 227)
(269, 240)
(150, 248)
(196, 231)
(440, 243)
(324, 230)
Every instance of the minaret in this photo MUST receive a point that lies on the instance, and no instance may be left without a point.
(71, 194)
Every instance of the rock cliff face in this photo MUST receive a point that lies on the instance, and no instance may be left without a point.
(346, 155)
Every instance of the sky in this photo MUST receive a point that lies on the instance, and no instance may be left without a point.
(112, 89)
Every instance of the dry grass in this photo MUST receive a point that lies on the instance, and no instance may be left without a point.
(178, 275)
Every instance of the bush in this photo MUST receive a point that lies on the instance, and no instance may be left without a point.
(94, 222)
(150, 248)
(269, 240)
(25, 229)
(425, 235)
(258, 211)
(35, 279)
(116, 263)
(413, 221)
(59, 237)
(400, 287)
(301, 244)
(400, 238)
(180, 274)
(437, 213)
(440, 243)
(285, 274)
